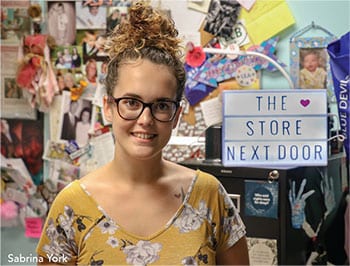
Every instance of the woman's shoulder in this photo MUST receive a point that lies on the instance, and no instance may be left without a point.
(68, 196)
(207, 179)
(95, 179)
(70, 190)
(202, 178)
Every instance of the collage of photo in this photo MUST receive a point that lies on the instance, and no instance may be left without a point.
(80, 29)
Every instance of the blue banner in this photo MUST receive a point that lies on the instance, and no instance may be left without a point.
(339, 52)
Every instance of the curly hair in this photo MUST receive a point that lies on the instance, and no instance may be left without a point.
(147, 34)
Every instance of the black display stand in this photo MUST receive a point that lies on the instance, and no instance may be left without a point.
(294, 246)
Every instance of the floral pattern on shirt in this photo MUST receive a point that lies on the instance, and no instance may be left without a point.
(143, 253)
(191, 219)
(230, 224)
(113, 242)
(88, 236)
(62, 232)
(198, 259)
(107, 226)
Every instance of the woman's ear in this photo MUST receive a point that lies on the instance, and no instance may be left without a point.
(107, 109)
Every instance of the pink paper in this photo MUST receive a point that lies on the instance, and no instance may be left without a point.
(247, 4)
(33, 227)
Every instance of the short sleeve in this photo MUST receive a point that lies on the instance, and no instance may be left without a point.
(230, 228)
(59, 238)
(225, 226)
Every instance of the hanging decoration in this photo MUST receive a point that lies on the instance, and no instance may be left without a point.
(35, 74)
(215, 70)
(304, 50)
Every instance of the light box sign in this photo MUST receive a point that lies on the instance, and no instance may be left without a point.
(284, 128)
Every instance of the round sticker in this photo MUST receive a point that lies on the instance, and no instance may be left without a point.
(245, 76)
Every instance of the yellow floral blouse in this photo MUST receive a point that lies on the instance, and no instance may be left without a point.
(79, 231)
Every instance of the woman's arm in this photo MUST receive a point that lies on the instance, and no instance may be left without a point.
(235, 255)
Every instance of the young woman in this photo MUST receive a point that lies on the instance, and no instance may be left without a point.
(140, 209)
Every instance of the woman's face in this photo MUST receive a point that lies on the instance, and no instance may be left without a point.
(69, 81)
(91, 70)
(145, 137)
(85, 117)
(60, 81)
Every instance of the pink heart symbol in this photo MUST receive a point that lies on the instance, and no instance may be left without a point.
(305, 102)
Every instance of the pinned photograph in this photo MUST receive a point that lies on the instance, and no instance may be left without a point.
(76, 120)
(90, 16)
(61, 22)
(313, 68)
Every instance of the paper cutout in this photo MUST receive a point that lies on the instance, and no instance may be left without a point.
(210, 73)
(266, 19)
(195, 55)
(205, 37)
(201, 6)
(212, 113)
(247, 4)
(33, 227)
(297, 203)
(194, 90)
(268, 48)
(327, 188)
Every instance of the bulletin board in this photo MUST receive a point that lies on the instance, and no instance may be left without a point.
(192, 123)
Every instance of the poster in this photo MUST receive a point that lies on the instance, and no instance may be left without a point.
(262, 251)
(261, 199)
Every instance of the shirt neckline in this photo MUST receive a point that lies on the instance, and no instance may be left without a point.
(158, 232)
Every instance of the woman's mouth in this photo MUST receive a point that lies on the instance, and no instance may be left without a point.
(143, 135)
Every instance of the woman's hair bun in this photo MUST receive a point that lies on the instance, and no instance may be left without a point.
(146, 27)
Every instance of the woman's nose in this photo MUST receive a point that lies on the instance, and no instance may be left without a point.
(146, 116)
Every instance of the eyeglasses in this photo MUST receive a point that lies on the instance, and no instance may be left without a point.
(131, 108)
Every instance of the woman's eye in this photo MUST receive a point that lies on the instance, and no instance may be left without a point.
(163, 106)
(132, 103)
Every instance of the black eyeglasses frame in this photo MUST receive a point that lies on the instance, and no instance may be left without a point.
(116, 101)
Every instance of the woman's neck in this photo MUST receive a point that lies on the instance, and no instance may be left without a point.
(135, 171)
